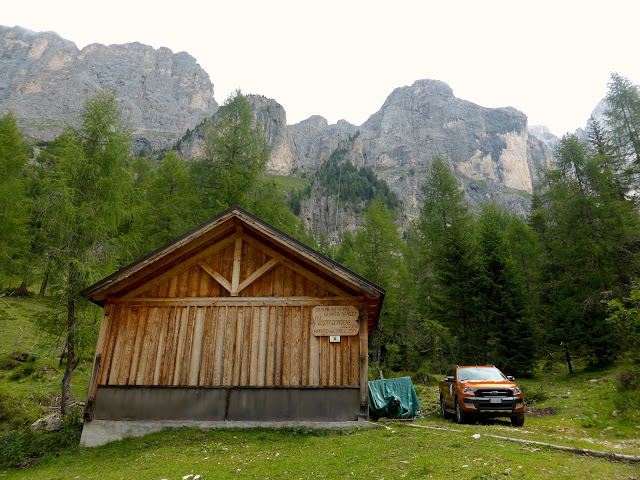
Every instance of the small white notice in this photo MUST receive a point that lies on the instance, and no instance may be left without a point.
(334, 339)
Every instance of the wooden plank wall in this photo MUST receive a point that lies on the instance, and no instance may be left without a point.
(243, 345)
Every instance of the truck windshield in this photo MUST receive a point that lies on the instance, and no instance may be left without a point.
(477, 373)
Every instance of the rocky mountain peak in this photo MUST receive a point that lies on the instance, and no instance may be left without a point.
(45, 81)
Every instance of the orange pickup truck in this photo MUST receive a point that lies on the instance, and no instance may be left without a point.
(480, 391)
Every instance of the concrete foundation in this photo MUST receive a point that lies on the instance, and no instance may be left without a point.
(100, 432)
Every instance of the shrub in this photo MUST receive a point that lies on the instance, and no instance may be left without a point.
(24, 447)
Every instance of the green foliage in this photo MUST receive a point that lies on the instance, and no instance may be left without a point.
(236, 156)
(506, 331)
(622, 115)
(624, 315)
(85, 209)
(15, 204)
(24, 447)
(448, 256)
(588, 230)
(169, 205)
(356, 186)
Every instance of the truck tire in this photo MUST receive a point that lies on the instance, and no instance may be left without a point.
(461, 416)
(518, 420)
(443, 408)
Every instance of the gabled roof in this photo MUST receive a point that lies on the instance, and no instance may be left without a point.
(126, 280)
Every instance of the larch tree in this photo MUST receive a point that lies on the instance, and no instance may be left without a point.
(622, 114)
(15, 203)
(589, 233)
(236, 156)
(85, 204)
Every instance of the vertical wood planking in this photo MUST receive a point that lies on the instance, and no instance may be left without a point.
(237, 348)
(277, 373)
(286, 347)
(364, 361)
(183, 284)
(246, 346)
(139, 361)
(230, 343)
(332, 362)
(208, 336)
(169, 359)
(221, 327)
(354, 367)
(119, 337)
(304, 362)
(249, 268)
(314, 356)
(346, 360)
(271, 347)
(157, 353)
(255, 353)
(196, 350)
(127, 350)
(188, 346)
(108, 345)
(263, 343)
(296, 345)
(183, 319)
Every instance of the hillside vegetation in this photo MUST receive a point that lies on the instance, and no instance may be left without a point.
(578, 410)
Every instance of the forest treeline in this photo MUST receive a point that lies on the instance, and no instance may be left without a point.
(462, 286)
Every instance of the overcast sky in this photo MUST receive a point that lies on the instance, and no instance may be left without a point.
(551, 59)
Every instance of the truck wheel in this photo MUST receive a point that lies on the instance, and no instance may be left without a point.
(461, 416)
(443, 408)
(518, 420)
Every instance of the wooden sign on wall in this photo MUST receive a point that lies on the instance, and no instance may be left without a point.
(331, 320)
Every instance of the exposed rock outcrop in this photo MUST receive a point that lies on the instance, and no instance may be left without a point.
(489, 149)
(45, 81)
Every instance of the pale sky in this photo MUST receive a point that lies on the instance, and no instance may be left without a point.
(551, 59)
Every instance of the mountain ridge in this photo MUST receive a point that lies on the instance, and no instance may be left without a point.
(45, 80)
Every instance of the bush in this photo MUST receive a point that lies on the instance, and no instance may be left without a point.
(24, 447)
(534, 395)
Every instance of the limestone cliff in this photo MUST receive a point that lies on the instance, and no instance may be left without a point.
(45, 81)
(489, 149)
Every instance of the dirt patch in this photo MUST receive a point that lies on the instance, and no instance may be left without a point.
(541, 412)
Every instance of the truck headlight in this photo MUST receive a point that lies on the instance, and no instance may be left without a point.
(468, 390)
(515, 390)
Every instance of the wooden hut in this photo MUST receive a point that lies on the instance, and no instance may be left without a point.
(234, 321)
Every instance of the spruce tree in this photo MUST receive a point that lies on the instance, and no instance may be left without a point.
(450, 290)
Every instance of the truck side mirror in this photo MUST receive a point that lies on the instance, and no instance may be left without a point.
(449, 378)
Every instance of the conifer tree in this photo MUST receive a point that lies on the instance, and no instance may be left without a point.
(15, 203)
(508, 332)
(449, 253)
(84, 206)
(589, 234)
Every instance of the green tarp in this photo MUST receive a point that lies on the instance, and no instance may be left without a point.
(392, 398)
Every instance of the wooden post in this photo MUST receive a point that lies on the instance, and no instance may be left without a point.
(363, 416)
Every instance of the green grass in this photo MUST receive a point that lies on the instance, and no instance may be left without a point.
(288, 184)
(576, 410)
(404, 452)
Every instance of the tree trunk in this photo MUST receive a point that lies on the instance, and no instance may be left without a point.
(70, 351)
(568, 357)
(22, 291)
(43, 285)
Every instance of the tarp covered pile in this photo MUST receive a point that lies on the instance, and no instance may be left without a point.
(392, 398)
